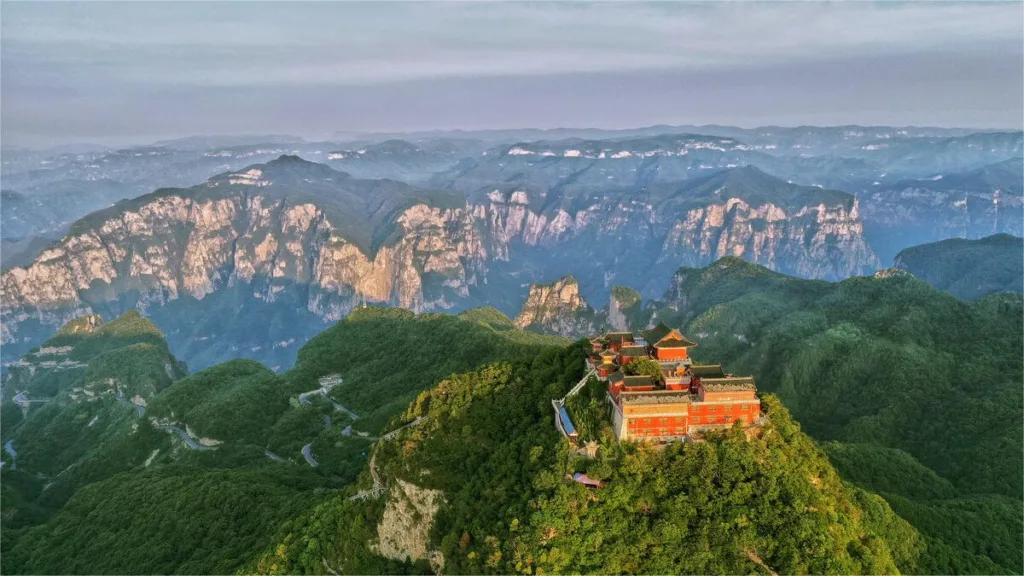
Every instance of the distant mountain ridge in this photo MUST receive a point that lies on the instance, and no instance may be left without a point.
(302, 244)
(403, 160)
(44, 210)
(971, 204)
(968, 269)
(305, 244)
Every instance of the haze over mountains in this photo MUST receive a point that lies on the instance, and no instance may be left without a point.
(279, 294)
(270, 239)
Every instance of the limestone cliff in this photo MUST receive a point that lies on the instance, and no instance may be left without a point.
(807, 242)
(558, 308)
(624, 309)
(971, 205)
(404, 529)
(307, 246)
(254, 262)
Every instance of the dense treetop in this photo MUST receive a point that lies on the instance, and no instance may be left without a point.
(968, 269)
(907, 455)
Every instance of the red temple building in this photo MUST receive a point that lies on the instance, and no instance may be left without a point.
(687, 400)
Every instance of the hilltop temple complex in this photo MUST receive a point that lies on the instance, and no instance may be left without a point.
(686, 400)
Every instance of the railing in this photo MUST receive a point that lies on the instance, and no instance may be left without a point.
(557, 404)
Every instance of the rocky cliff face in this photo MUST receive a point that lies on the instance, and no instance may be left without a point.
(178, 246)
(558, 308)
(185, 248)
(624, 309)
(971, 205)
(269, 254)
(639, 238)
(819, 241)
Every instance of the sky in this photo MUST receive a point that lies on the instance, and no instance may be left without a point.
(120, 73)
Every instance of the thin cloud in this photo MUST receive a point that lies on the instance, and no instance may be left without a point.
(70, 63)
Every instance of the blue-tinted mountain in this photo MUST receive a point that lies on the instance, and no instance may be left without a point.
(51, 208)
(972, 204)
(403, 160)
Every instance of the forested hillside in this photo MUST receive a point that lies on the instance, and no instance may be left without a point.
(968, 269)
(909, 398)
(227, 444)
(887, 363)
(495, 468)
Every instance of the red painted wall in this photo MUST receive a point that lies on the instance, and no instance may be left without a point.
(653, 426)
(705, 413)
(670, 353)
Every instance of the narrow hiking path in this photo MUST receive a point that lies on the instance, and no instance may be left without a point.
(378, 486)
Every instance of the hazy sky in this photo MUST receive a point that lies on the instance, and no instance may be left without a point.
(132, 72)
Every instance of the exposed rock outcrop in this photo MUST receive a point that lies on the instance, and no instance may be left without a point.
(624, 310)
(301, 245)
(558, 308)
(806, 242)
(404, 528)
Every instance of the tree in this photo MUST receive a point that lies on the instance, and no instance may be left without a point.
(643, 367)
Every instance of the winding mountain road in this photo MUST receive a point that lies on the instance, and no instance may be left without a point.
(189, 441)
(308, 455)
(274, 457)
(304, 397)
(22, 400)
(307, 450)
(9, 448)
(341, 408)
(123, 400)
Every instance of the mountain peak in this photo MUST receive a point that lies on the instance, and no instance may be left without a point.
(564, 281)
(756, 187)
(292, 162)
(748, 176)
(289, 159)
(82, 325)
(285, 170)
(557, 308)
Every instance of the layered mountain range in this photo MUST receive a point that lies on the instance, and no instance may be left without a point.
(970, 204)
(264, 252)
(300, 244)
